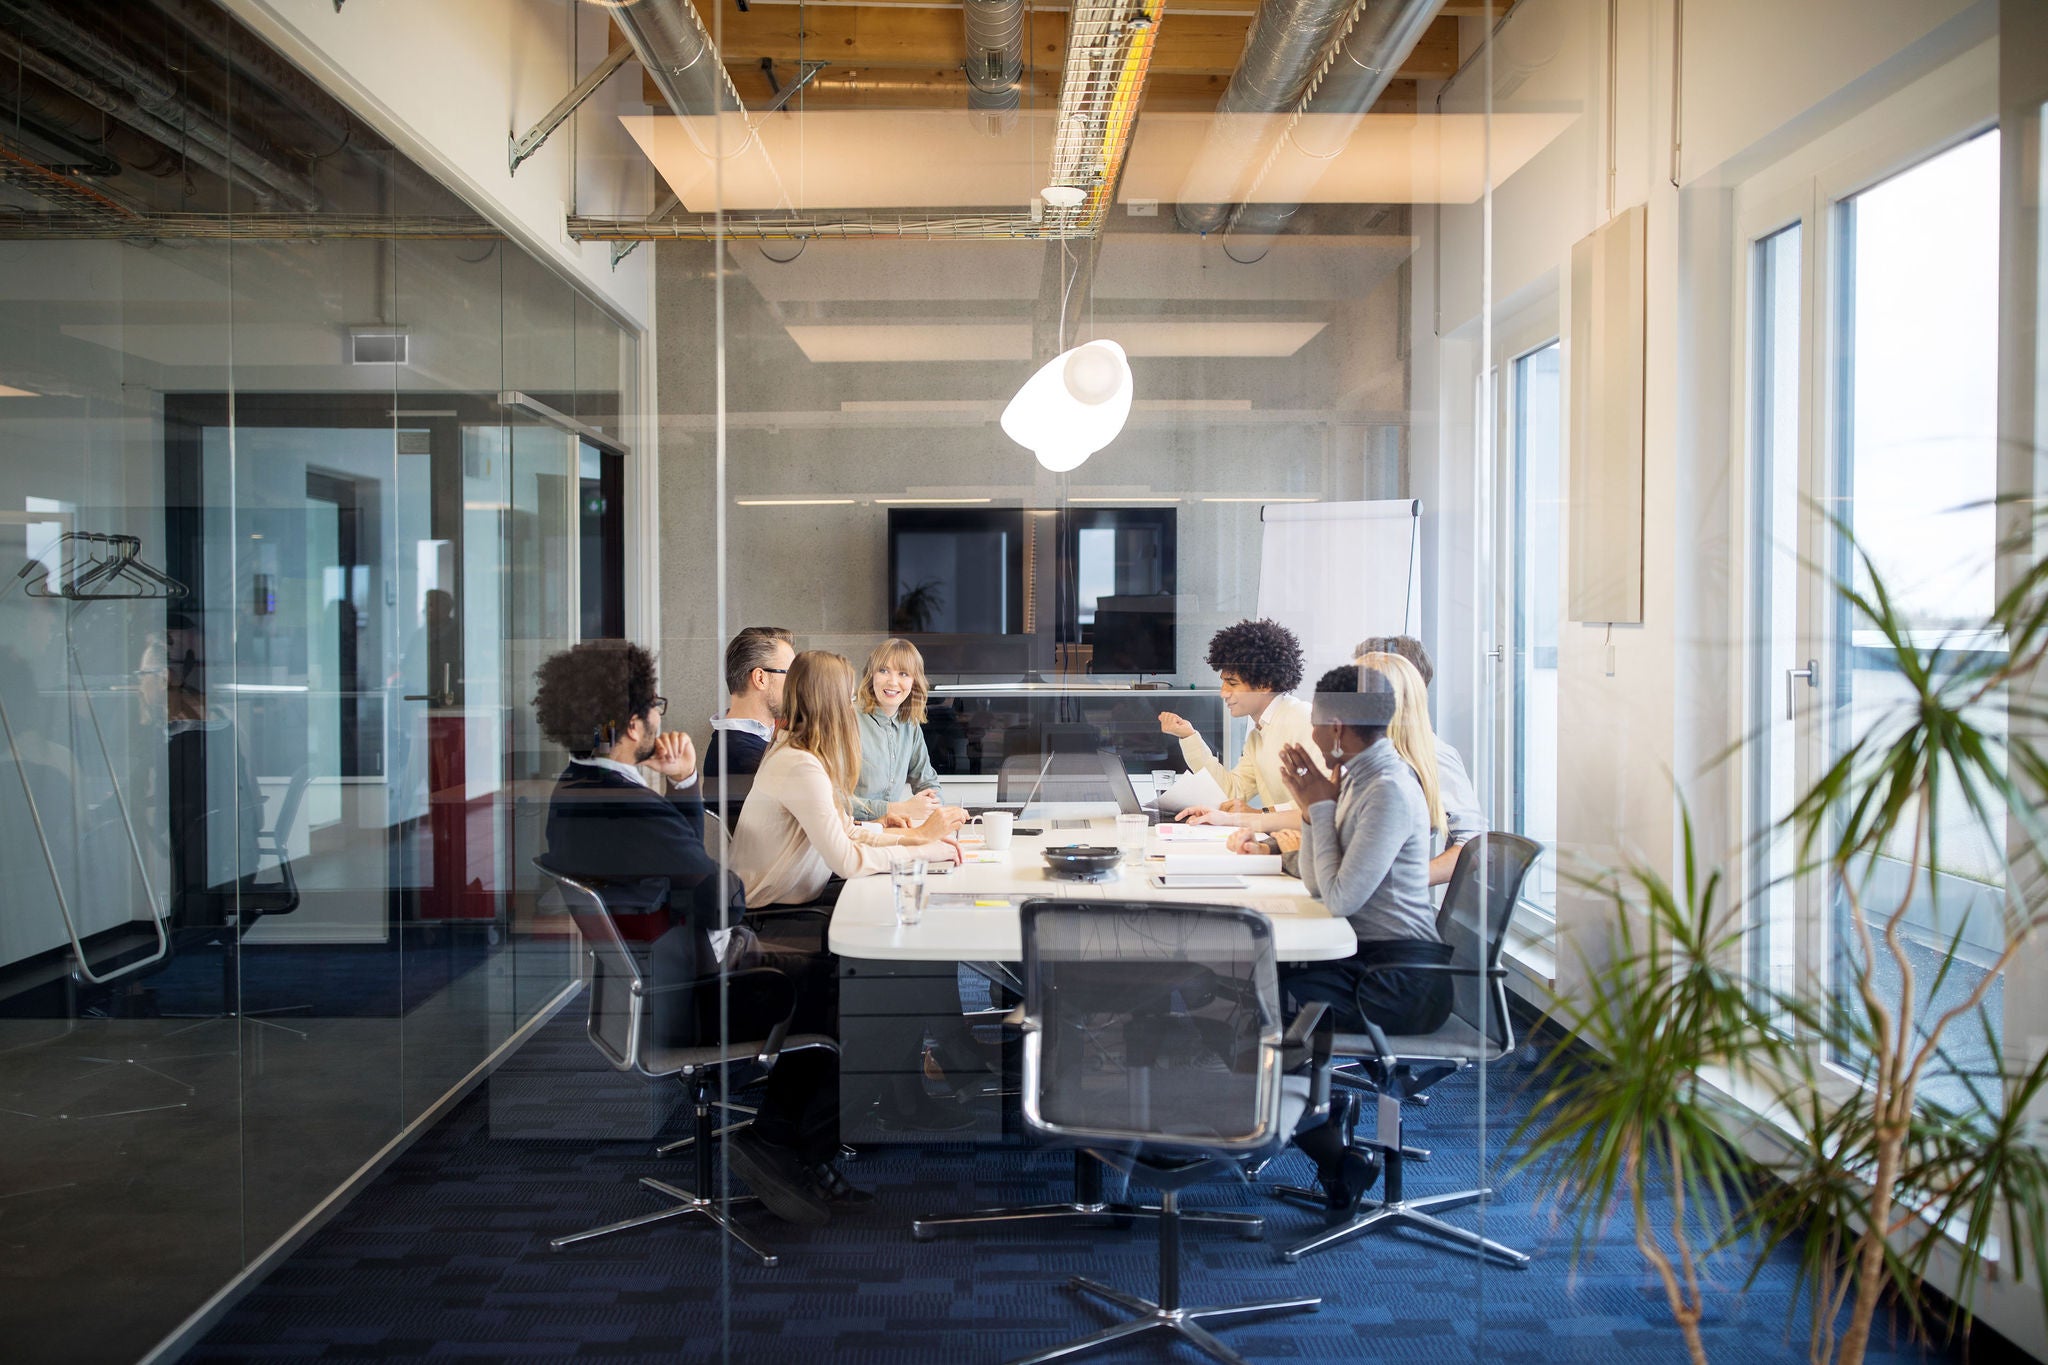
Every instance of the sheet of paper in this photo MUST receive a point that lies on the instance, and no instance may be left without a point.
(1226, 864)
(1194, 834)
(1195, 789)
(968, 900)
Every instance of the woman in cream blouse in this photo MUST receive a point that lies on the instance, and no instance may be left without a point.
(795, 833)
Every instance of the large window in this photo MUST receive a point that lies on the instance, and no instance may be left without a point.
(1533, 445)
(1915, 454)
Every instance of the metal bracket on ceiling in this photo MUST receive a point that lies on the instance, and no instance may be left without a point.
(669, 204)
(806, 73)
(520, 148)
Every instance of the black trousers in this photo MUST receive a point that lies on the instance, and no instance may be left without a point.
(801, 1107)
(1370, 984)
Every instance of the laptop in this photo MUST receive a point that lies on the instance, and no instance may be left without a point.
(1077, 797)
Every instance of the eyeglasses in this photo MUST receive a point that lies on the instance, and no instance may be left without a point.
(765, 669)
(661, 706)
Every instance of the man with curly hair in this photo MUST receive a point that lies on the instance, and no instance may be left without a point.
(1258, 664)
(607, 827)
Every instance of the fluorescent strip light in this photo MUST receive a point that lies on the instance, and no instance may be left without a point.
(1192, 405)
(267, 687)
(1261, 499)
(988, 406)
(1123, 500)
(795, 502)
(928, 502)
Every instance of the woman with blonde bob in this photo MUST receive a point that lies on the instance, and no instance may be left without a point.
(1409, 734)
(796, 833)
(896, 777)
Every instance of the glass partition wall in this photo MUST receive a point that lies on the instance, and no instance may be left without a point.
(278, 559)
(845, 325)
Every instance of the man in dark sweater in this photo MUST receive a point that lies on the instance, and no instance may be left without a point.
(645, 853)
(756, 661)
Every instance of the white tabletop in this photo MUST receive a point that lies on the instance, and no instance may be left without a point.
(864, 922)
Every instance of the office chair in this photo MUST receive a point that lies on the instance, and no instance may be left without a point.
(620, 1026)
(1152, 1040)
(1477, 907)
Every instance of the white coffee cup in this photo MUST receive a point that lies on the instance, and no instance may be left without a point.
(996, 828)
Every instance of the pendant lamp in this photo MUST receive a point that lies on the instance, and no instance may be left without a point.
(1074, 406)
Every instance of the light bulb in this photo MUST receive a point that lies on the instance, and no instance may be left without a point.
(1091, 373)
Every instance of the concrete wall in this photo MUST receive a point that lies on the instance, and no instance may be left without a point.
(1327, 421)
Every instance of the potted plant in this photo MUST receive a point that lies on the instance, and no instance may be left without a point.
(1878, 1176)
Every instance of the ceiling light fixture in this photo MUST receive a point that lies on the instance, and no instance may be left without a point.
(1074, 406)
(928, 502)
(1261, 499)
(795, 502)
(1120, 501)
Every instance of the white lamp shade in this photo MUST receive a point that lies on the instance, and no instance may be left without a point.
(1074, 406)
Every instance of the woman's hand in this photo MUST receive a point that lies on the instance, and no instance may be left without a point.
(1245, 841)
(895, 822)
(1305, 781)
(1289, 840)
(1208, 815)
(935, 829)
(956, 816)
(1174, 725)
(959, 854)
(916, 806)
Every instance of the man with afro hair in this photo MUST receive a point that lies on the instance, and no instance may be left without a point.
(1258, 664)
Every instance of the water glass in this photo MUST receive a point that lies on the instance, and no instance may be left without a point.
(1162, 778)
(907, 881)
(1131, 833)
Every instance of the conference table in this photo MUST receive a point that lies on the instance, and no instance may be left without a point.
(894, 977)
(973, 915)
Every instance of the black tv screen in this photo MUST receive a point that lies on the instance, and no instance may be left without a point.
(1117, 582)
(956, 571)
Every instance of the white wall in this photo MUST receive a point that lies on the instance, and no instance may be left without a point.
(449, 82)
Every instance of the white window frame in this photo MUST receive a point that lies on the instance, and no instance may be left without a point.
(1933, 114)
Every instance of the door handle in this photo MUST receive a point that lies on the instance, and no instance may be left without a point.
(1812, 675)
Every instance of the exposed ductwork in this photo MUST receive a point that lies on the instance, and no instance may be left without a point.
(1352, 78)
(995, 56)
(92, 70)
(678, 56)
(1286, 40)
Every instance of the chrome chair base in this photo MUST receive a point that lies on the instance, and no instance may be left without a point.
(685, 1143)
(687, 1204)
(1087, 1205)
(1250, 1226)
(1184, 1323)
(1420, 1214)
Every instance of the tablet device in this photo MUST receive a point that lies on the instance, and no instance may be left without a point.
(1197, 881)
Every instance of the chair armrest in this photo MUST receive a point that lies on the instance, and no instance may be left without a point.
(772, 912)
(1304, 1024)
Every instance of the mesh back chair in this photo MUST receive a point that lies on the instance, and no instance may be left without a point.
(1152, 1040)
(1474, 920)
(620, 1024)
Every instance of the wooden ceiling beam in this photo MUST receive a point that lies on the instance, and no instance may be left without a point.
(878, 36)
(946, 88)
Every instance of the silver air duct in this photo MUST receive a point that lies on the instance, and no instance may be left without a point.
(670, 41)
(995, 58)
(1286, 39)
(1353, 78)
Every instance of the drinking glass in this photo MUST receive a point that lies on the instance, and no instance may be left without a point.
(907, 881)
(1131, 833)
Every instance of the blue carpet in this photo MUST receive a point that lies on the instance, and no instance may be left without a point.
(445, 1257)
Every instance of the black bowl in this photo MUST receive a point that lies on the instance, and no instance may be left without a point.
(1083, 860)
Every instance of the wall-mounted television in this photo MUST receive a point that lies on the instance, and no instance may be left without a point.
(992, 589)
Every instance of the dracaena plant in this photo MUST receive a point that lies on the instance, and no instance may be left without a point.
(1880, 1174)
(1641, 1126)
